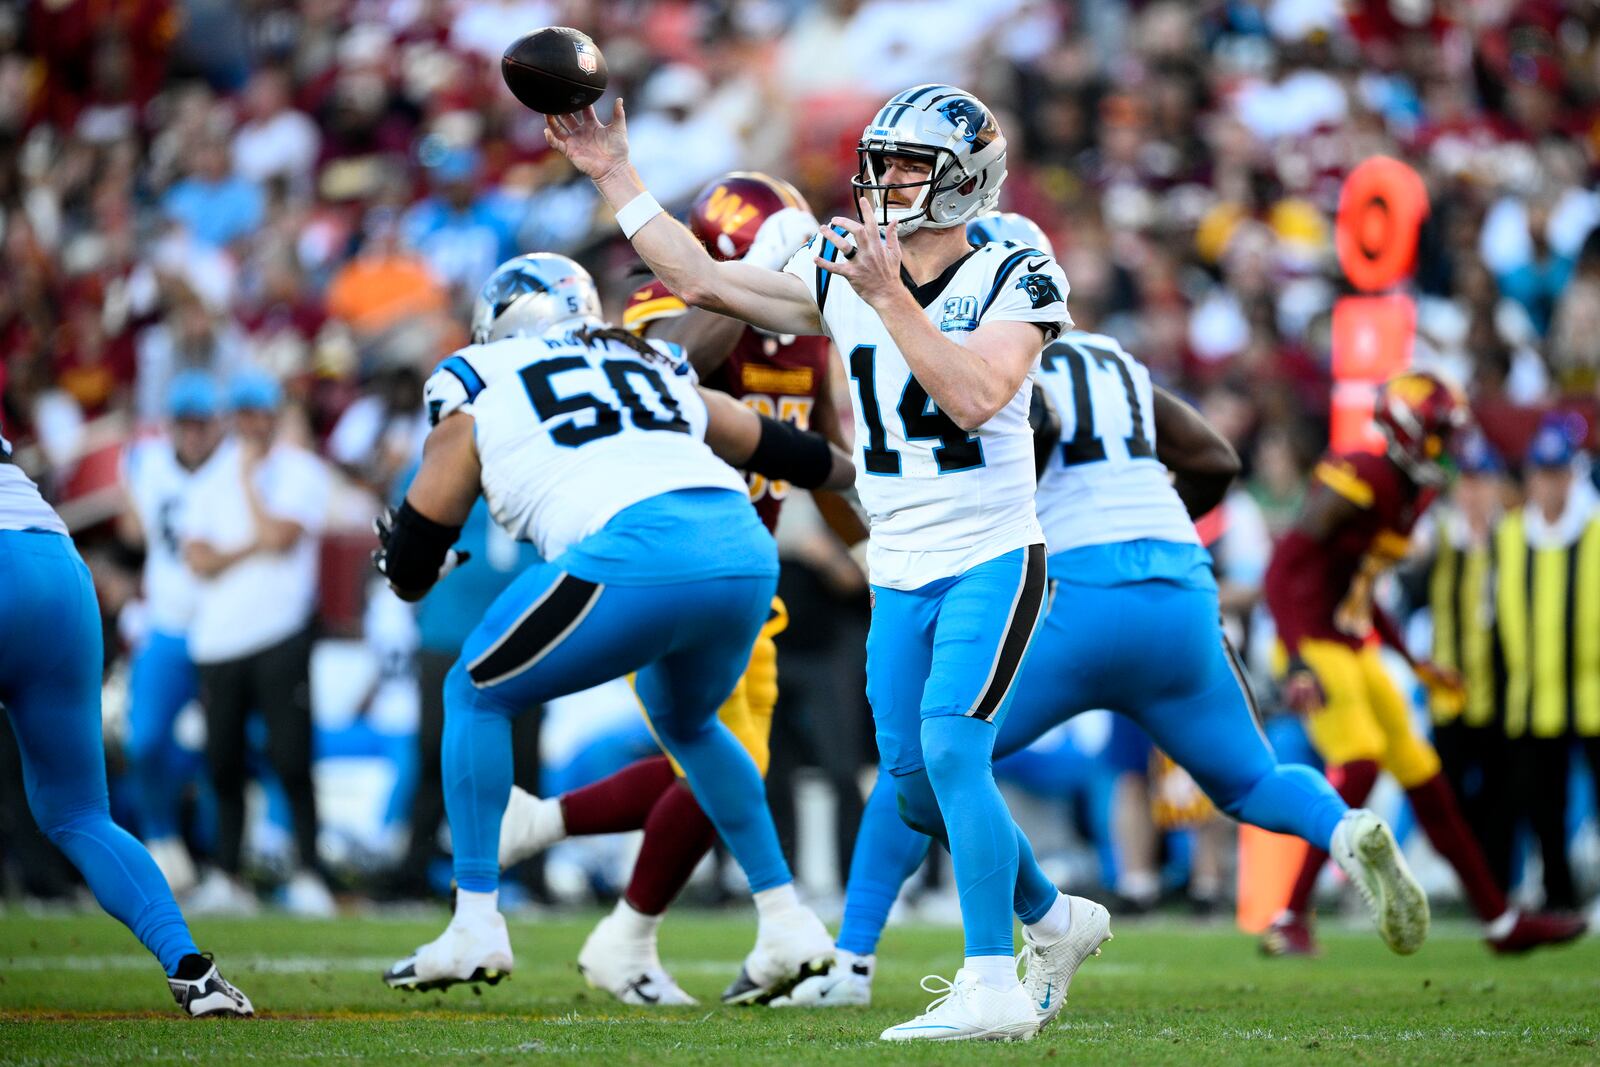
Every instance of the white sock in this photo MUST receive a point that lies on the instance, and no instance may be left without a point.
(557, 814)
(477, 907)
(777, 902)
(1500, 926)
(996, 972)
(1055, 923)
(635, 924)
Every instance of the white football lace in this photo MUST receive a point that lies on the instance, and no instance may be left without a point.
(943, 986)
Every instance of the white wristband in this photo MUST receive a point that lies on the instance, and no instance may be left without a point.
(636, 212)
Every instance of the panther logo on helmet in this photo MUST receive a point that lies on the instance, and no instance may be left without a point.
(951, 133)
(970, 118)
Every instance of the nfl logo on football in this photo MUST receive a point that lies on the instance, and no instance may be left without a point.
(588, 58)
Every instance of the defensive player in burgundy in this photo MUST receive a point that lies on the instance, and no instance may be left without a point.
(1356, 523)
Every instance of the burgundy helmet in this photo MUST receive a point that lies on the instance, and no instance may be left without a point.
(729, 211)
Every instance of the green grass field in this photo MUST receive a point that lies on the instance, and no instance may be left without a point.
(80, 990)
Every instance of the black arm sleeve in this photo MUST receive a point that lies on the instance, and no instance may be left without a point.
(1046, 429)
(415, 549)
(791, 454)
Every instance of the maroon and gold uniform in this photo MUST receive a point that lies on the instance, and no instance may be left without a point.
(1319, 586)
(780, 377)
(1320, 595)
(1325, 590)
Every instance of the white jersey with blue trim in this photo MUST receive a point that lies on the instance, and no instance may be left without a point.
(158, 486)
(1104, 485)
(940, 500)
(21, 506)
(570, 432)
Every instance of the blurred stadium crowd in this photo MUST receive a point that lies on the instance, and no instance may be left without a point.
(313, 189)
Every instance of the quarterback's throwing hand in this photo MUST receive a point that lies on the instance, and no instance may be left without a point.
(595, 148)
(868, 260)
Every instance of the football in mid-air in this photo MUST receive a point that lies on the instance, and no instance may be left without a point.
(555, 71)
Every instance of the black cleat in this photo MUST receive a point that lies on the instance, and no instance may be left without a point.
(745, 990)
(207, 994)
(403, 975)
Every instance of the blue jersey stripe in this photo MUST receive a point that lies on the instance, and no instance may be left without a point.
(1004, 273)
(830, 252)
(464, 373)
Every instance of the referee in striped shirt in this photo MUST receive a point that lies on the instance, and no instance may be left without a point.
(1547, 612)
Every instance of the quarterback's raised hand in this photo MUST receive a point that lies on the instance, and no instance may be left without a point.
(868, 260)
(597, 149)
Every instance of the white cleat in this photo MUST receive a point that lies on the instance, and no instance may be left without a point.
(530, 825)
(480, 952)
(788, 951)
(1048, 968)
(219, 895)
(628, 967)
(1366, 851)
(847, 984)
(172, 856)
(968, 1010)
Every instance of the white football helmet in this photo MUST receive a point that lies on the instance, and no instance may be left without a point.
(532, 295)
(1008, 226)
(962, 143)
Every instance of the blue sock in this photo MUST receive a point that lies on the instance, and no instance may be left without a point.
(477, 768)
(887, 852)
(1292, 799)
(1035, 893)
(983, 836)
(126, 882)
(724, 780)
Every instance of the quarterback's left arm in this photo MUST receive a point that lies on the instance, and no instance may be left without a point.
(836, 510)
(970, 382)
(415, 539)
(776, 449)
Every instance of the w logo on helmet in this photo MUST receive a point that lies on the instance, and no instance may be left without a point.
(1041, 289)
(968, 116)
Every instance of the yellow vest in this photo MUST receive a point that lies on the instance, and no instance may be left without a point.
(1547, 606)
(1459, 591)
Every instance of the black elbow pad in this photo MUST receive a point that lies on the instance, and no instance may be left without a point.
(1046, 429)
(791, 454)
(412, 548)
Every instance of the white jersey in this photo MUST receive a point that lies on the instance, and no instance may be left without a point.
(940, 500)
(571, 432)
(21, 506)
(1104, 483)
(158, 486)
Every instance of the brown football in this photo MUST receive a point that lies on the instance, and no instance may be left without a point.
(555, 71)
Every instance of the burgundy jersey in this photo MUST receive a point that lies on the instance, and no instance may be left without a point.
(1324, 591)
(780, 377)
